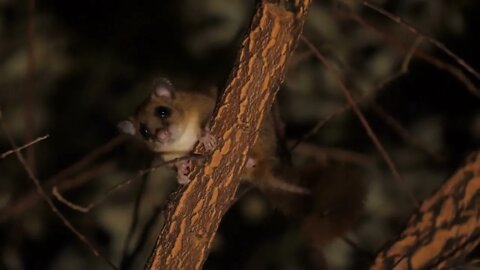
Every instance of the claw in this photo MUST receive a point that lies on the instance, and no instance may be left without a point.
(208, 140)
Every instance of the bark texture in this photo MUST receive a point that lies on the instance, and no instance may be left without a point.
(195, 211)
(445, 229)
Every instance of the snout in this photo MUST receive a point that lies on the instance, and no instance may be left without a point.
(163, 135)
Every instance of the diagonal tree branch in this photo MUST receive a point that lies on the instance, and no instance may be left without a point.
(49, 201)
(194, 212)
(37, 140)
(71, 177)
(362, 119)
(445, 229)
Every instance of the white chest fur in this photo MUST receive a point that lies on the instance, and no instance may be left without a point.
(186, 137)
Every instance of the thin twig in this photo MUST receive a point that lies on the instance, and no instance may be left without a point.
(405, 66)
(64, 179)
(404, 133)
(357, 248)
(241, 193)
(410, 54)
(85, 177)
(403, 70)
(363, 120)
(415, 31)
(142, 239)
(87, 159)
(70, 183)
(9, 152)
(452, 70)
(319, 126)
(90, 206)
(135, 218)
(49, 201)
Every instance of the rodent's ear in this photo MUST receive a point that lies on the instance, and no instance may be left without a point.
(127, 127)
(163, 88)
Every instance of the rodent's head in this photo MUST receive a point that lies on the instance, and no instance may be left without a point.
(158, 120)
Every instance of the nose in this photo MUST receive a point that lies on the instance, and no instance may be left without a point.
(162, 134)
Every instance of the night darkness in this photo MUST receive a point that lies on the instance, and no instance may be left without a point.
(95, 61)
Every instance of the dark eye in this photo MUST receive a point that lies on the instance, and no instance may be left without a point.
(144, 131)
(162, 112)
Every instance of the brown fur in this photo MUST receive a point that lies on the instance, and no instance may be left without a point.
(190, 112)
(329, 204)
(335, 203)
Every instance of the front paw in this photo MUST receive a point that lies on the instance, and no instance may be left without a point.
(183, 168)
(208, 140)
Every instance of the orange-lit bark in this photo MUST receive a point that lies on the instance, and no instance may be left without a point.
(445, 229)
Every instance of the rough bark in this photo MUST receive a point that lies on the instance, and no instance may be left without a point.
(194, 213)
(444, 230)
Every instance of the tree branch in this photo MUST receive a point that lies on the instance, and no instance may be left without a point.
(49, 201)
(194, 213)
(444, 230)
(37, 140)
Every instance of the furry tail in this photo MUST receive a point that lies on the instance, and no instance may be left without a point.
(332, 205)
(277, 184)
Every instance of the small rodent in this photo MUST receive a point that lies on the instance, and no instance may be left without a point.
(171, 121)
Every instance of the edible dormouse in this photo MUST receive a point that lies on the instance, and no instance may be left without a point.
(171, 121)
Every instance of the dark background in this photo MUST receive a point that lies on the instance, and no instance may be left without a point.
(94, 61)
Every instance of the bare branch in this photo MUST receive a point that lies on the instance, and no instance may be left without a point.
(452, 70)
(87, 159)
(365, 253)
(363, 120)
(37, 140)
(415, 31)
(404, 70)
(404, 133)
(65, 179)
(145, 233)
(112, 190)
(50, 203)
(134, 221)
